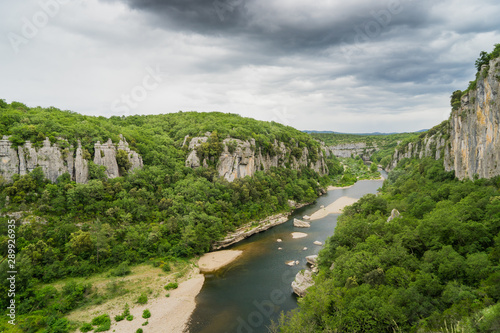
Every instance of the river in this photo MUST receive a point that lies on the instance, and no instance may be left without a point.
(246, 295)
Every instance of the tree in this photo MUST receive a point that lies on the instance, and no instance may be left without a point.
(484, 59)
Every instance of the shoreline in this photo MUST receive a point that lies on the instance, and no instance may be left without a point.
(335, 207)
(213, 261)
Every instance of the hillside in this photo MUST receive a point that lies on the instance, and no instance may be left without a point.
(90, 194)
(378, 148)
(423, 255)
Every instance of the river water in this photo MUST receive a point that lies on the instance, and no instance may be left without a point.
(246, 295)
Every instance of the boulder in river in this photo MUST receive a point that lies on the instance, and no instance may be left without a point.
(303, 280)
(317, 243)
(306, 217)
(279, 240)
(290, 263)
(313, 260)
(300, 224)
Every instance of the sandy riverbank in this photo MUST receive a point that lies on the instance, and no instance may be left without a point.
(335, 207)
(213, 261)
(168, 314)
(331, 188)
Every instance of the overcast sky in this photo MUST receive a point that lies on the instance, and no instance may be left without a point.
(348, 66)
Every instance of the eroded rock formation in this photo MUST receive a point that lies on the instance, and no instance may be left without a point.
(56, 160)
(469, 142)
(241, 158)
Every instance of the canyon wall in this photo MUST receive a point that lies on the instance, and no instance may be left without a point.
(469, 142)
(241, 158)
(56, 160)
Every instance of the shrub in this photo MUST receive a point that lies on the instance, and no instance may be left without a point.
(119, 317)
(146, 314)
(139, 330)
(103, 323)
(86, 327)
(171, 285)
(143, 299)
(130, 317)
(122, 269)
(145, 323)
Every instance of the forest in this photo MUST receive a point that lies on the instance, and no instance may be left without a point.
(435, 268)
(164, 212)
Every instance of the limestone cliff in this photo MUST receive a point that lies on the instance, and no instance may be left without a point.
(345, 150)
(56, 160)
(469, 142)
(241, 158)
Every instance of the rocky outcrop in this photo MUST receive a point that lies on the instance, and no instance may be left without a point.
(301, 224)
(394, 214)
(57, 159)
(312, 260)
(303, 280)
(250, 229)
(241, 158)
(474, 128)
(361, 149)
(469, 142)
(428, 145)
(9, 160)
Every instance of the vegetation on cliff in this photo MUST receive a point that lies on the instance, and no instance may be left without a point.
(435, 268)
(162, 212)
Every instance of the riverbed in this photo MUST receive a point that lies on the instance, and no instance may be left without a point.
(247, 294)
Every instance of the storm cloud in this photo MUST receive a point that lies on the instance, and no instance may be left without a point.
(358, 66)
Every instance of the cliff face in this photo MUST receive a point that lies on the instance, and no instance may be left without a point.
(240, 158)
(474, 131)
(351, 150)
(55, 160)
(469, 142)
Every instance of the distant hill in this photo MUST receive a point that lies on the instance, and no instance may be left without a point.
(373, 133)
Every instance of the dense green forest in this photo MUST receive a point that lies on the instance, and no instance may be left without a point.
(164, 211)
(436, 268)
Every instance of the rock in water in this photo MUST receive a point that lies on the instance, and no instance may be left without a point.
(306, 217)
(317, 243)
(300, 224)
(303, 280)
(279, 240)
(290, 263)
(394, 214)
(313, 260)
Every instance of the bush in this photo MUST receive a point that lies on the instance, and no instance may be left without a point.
(143, 299)
(130, 317)
(146, 314)
(86, 327)
(171, 285)
(139, 330)
(103, 323)
(145, 323)
(119, 317)
(122, 270)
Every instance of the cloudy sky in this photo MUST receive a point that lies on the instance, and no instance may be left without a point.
(348, 66)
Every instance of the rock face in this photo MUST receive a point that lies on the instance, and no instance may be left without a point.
(394, 214)
(241, 158)
(313, 260)
(360, 149)
(56, 160)
(300, 224)
(303, 280)
(469, 142)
